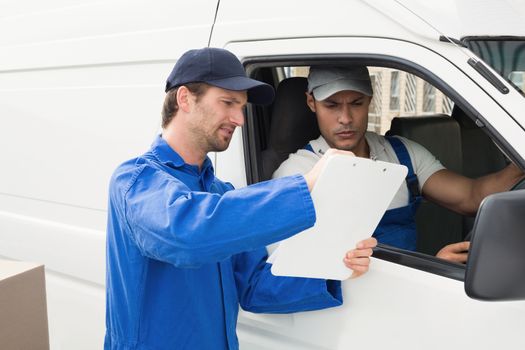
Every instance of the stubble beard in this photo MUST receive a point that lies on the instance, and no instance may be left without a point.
(207, 139)
(218, 143)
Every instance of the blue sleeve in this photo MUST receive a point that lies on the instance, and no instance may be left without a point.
(171, 223)
(260, 291)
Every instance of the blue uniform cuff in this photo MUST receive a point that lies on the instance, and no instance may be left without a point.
(308, 203)
(334, 288)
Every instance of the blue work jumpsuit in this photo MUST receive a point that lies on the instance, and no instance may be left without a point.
(184, 250)
(398, 226)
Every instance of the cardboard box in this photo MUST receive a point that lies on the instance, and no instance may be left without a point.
(23, 310)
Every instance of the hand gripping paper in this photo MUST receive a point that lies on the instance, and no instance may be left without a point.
(350, 197)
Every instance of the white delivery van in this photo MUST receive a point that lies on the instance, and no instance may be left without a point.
(81, 88)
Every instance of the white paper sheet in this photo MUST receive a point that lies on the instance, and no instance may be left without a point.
(350, 197)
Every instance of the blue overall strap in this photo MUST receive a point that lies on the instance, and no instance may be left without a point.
(404, 159)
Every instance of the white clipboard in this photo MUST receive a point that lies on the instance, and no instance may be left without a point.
(350, 197)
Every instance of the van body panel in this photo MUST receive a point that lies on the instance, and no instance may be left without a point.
(71, 74)
(395, 307)
(294, 20)
(411, 20)
(458, 19)
(91, 33)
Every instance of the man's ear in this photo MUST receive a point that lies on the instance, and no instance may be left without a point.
(184, 100)
(310, 101)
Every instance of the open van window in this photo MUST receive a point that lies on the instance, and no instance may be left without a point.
(403, 104)
(505, 54)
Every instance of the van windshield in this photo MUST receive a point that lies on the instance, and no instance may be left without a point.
(505, 54)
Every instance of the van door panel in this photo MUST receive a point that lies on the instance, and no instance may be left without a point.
(393, 306)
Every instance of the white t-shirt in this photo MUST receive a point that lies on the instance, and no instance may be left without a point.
(423, 162)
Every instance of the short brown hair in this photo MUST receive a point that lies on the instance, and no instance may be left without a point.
(170, 107)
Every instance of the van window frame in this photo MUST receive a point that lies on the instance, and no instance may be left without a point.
(253, 63)
(419, 261)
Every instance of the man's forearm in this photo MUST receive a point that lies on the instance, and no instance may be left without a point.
(500, 181)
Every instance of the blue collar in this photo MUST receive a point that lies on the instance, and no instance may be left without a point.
(166, 155)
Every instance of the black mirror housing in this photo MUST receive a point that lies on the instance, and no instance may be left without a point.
(496, 265)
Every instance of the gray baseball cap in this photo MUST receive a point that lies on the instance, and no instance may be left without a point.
(323, 82)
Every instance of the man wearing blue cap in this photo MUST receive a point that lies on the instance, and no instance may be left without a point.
(340, 97)
(183, 248)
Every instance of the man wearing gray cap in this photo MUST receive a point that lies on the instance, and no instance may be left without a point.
(340, 98)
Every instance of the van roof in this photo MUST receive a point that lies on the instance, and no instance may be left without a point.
(412, 20)
(462, 18)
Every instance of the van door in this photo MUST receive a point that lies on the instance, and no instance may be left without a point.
(407, 300)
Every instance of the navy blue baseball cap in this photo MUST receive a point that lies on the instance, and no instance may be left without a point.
(220, 68)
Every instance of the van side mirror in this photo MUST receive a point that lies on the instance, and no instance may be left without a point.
(496, 264)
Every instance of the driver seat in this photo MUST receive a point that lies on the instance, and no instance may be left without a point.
(293, 124)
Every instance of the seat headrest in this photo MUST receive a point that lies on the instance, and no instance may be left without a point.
(440, 134)
(463, 119)
(292, 126)
(293, 123)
